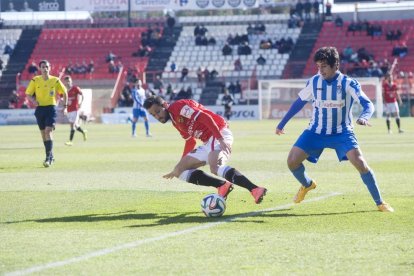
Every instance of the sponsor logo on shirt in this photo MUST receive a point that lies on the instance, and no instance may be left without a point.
(187, 111)
(329, 104)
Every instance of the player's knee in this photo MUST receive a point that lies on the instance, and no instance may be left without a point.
(214, 169)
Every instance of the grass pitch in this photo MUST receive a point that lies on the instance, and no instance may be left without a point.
(104, 209)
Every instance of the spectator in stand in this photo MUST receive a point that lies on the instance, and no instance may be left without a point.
(227, 101)
(250, 30)
(158, 84)
(110, 57)
(33, 69)
(347, 54)
(11, 7)
(315, 6)
(112, 67)
(261, 60)
(184, 74)
(299, 9)
(14, 100)
(212, 41)
(227, 50)
(200, 76)
(400, 50)
(266, 44)
(8, 50)
(91, 67)
(182, 94)
(307, 7)
(244, 49)
(173, 66)
(26, 7)
(232, 89)
(1, 66)
(238, 65)
(328, 13)
(170, 21)
(339, 22)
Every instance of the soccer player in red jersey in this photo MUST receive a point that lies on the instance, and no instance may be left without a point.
(390, 97)
(194, 121)
(75, 100)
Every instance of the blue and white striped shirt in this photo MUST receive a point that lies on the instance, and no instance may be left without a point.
(332, 103)
(138, 94)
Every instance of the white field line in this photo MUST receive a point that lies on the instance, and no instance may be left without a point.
(134, 244)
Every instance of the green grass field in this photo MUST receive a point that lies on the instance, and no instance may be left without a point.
(104, 209)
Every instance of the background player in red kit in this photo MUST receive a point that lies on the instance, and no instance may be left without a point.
(194, 121)
(75, 99)
(390, 96)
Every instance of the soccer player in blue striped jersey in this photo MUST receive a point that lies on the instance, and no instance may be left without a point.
(139, 96)
(332, 95)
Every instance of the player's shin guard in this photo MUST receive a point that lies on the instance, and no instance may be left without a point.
(199, 177)
(371, 183)
(388, 123)
(301, 175)
(234, 176)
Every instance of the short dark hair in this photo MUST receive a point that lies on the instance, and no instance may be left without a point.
(44, 62)
(328, 54)
(67, 78)
(151, 100)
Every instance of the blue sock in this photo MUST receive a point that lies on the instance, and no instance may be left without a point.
(302, 176)
(146, 126)
(371, 182)
(134, 126)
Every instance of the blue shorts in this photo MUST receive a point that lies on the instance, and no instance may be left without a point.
(314, 144)
(139, 112)
(45, 116)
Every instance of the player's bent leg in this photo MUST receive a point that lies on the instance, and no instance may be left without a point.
(368, 177)
(295, 165)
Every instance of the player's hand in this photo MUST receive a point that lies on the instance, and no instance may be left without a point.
(279, 131)
(363, 122)
(170, 175)
(65, 110)
(226, 148)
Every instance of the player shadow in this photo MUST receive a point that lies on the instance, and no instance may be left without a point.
(179, 217)
(121, 216)
(259, 215)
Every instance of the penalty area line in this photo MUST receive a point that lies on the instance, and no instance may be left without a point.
(137, 243)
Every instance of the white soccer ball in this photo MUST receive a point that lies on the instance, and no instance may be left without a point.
(213, 205)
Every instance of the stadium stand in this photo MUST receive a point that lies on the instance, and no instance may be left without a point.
(65, 46)
(378, 46)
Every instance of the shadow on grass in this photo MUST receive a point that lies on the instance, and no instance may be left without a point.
(177, 218)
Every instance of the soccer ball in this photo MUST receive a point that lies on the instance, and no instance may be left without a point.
(213, 205)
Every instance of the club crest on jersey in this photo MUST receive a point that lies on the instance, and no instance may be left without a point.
(187, 111)
(52, 93)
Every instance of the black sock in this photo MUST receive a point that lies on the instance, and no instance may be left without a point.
(79, 129)
(397, 120)
(49, 148)
(72, 132)
(199, 177)
(388, 124)
(234, 176)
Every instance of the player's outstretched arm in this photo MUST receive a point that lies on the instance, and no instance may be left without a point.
(294, 108)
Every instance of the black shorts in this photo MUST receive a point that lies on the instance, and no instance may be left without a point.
(45, 116)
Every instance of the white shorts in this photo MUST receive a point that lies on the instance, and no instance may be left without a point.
(73, 116)
(201, 152)
(390, 108)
